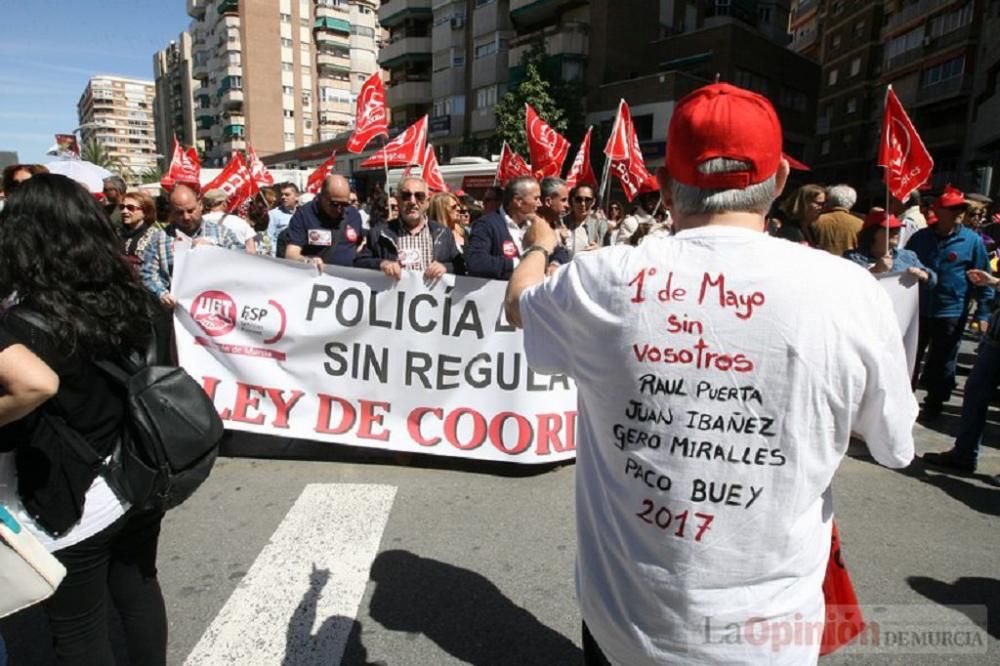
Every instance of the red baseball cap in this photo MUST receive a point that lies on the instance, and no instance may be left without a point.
(721, 120)
(951, 196)
(878, 219)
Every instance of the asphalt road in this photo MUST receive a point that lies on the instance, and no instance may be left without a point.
(472, 563)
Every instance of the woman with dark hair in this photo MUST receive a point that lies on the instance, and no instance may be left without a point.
(138, 224)
(15, 174)
(77, 302)
(258, 215)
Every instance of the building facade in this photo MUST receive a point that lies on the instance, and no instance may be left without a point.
(174, 103)
(278, 74)
(117, 113)
(982, 145)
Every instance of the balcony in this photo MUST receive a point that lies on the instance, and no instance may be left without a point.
(914, 12)
(334, 106)
(199, 65)
(532, 12)
(196, 8)
(232, 97)
(332, 11)
(228, 144)
(405, 49)
(800, 44)
(394, 12)
(408, 92)
(942, 90)
(930, 47)
(567, 39)
(228, 7)
(234, 131)
(333, 61)
(326, 37)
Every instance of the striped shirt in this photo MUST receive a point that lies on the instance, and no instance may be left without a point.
(158, 262)
(416, 251)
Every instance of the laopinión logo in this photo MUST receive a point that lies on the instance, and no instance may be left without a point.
(258, 322)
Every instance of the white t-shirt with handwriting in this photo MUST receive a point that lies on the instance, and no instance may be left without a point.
(720, 373)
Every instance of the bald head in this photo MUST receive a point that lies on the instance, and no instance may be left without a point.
(335, 196)
(185, 209)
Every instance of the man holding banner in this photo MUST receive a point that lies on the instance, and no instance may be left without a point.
(715, 403)
(327, 230)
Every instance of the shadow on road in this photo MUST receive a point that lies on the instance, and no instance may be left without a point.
(305, 648)
(965, 592)
(984, 499)
(464, 613)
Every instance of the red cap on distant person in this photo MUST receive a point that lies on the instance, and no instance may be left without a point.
(721, 120)
(879, 218)
(952, 196)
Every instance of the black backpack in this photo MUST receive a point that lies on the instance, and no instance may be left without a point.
(170, 435)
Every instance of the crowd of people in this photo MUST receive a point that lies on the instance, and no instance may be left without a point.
(61, 257)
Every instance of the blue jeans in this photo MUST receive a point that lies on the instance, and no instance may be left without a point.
(979, 388)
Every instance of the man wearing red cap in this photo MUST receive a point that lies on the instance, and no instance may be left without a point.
(950, 250)
(720, 373)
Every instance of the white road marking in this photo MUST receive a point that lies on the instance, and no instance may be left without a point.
(298, 601)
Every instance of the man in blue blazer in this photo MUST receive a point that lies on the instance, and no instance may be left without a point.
(495, 244)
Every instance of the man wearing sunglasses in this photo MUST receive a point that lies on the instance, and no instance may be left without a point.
(327, 230)
(495, 244)
(412, 241)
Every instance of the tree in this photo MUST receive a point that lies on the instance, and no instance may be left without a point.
(151, 175)
(95, 153)
(534, 90)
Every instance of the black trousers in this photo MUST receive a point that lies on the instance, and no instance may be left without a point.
(592, 653)
(937, 346)
(118, 563)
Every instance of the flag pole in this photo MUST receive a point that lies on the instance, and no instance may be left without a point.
(607, 160)
(496, 175)
(886, 176)
(385, 162)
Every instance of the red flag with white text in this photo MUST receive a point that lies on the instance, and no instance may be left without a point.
(581, 172)
(907, 163)
(617, 147)
(546, 147)
(406, 149)
(511, 166)
(260, 174)
(316, 178)
(631, 170)
(185, 167)
(371, 119)
(235, 180)
(431, 172)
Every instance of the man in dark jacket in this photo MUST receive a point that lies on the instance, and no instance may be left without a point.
(494, 248)
(411, 242)
(327, 230)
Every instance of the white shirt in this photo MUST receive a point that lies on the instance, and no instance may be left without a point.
(240, 227)
(516, 233)
(913, 221)
(747, 361)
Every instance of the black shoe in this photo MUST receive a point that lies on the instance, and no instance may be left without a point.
(994, 480)
(950, 460)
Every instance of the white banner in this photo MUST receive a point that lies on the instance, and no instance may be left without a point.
(352, 357)
(904, 293)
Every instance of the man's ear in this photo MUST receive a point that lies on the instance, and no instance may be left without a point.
(663, 180)
(781, 177)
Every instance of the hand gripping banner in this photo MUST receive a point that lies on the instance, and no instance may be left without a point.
(352, 357)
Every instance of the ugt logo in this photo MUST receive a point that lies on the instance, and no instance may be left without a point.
(215, 312)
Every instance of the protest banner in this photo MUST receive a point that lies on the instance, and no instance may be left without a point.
(905, 296)
(350, 356)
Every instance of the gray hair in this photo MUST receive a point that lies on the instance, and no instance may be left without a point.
(117, 182)
(551, 185)
(693, 200)
(517, 187)
(841, 196)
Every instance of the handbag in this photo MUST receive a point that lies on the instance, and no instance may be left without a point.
(28, 573)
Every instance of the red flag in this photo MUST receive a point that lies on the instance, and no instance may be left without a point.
(260, 174)
(431, 172)
(907, 163)
(617, 146)
(406, 149)
(581, 173)
(511, 165)
(235, 180)
(546, 147)
(185, 167)
(371, 119)
(631, 170)
(316, 178)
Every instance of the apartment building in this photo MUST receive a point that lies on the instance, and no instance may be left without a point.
(278, 73)
(982, 145)
(117, 113)
(174, 104)
(805, 28)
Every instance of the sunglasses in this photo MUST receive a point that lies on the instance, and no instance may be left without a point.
(419, 196)
(337, 204)
(463, 211)
(130, 207)
(583, 200)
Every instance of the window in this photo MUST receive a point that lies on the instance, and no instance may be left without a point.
(480, 3)
(306, 99)
(855, 67)
(944, 71)
(838, 7)
(859, 29)
(287, 90)
(832, 77)
(307, 124)
(486, 97)
(751, 81)
(847, 139)
(484, 50)
(304, 22)
(835, 42)
(945, 23)
(288, 113)
(852, 105)
(824, 147)
(290, 137)
(362, 31)
(285, 18)
(792, 99)
(458, 60)
(287, 67)
(287, 43)
(905, 42)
